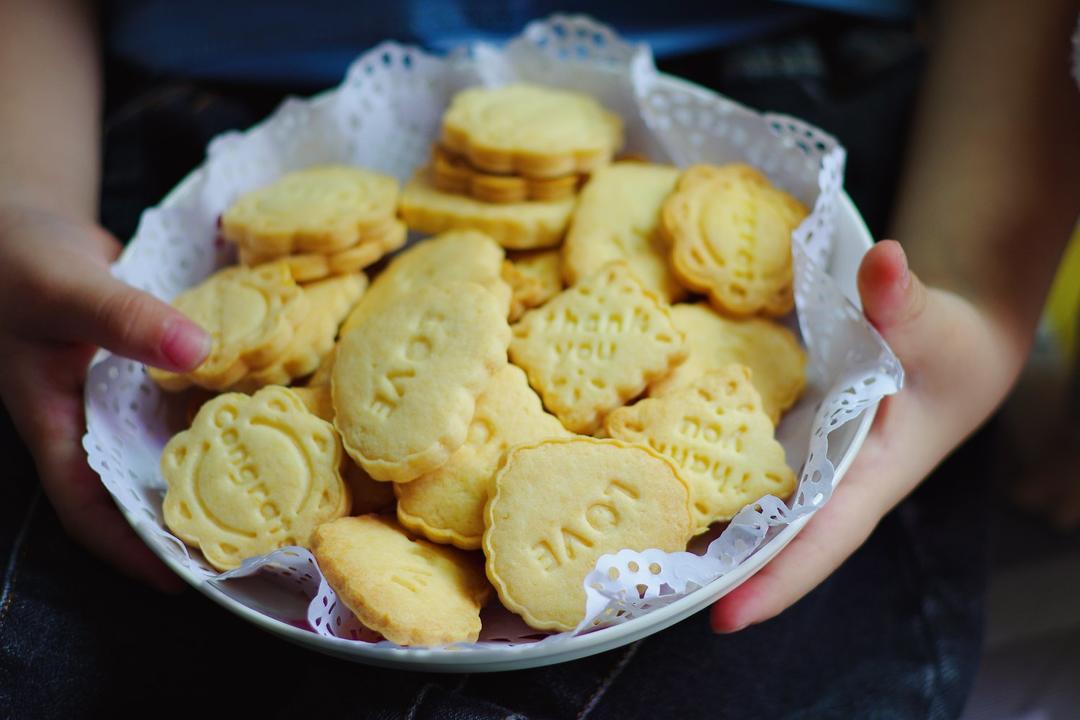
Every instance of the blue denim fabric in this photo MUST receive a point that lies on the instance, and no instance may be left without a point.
(894, 633)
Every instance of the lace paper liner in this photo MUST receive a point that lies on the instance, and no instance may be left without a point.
(396, 95)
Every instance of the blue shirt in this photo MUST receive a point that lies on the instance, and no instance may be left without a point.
(313, 41)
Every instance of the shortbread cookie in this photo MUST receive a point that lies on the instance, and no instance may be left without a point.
(730, 232)
(308, 267)
(250, 315)
(406, 379)
(558, 505)
(409, 591)
(453, 174)
(368, 495)
(452, 257)
(252, 474)
(447, 504)
(716, 433)
(534, 278)
(617, 218)
(596, 345)
(321, 209)
(329, 301)
(769, 349)
(520, 225)
(530, 130)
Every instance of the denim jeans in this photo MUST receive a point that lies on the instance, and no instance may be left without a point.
(894, 633)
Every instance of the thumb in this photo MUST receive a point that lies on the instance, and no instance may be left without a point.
(893, 297)
(103, 311)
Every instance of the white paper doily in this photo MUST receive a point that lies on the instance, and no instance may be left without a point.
(385, 116)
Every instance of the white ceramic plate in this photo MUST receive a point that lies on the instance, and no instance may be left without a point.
(851, 241)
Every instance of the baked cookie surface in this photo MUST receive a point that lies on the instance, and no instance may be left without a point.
(321, 209)
(596, 345)
(410, 591)
(447, 504)
(618, 218)
(406, 379)
(530, 130)
(252, 474)
(730, 236)
(514, 225)
(770, 350)
(717, 435)
(558, 505)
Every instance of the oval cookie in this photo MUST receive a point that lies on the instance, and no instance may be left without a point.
(618, 218)
(558, 505)
(730, 234)
(252, 474)
(716, 433)
(456, 256)
(406, 379)
(410, 591)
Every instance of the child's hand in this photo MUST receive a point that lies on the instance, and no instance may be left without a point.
(60, 302)
(956, 373)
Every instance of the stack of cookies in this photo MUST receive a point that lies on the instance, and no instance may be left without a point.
(322, 221)
(532, 388)
(265, 328)
(509, 162)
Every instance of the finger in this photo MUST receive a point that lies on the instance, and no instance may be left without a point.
(98, 309)
(43, 399)
(835, 531)
(892, 296)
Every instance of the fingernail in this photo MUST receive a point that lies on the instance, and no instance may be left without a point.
(185, 344)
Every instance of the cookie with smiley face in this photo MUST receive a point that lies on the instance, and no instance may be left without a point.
(251, 475)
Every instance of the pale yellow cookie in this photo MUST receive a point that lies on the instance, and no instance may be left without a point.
(320, 209)
(558, 505)
(250, 315)
(447, 504)
(308, 267)
(518, 225)
(409, 591)
(406, 379)
(368, 495)
(716, 433)
(329, 301)
(452, 257)
(769, 349)
(453, 174)
(252, 474)
(534, 278)
(730, 232)
(617, 218)
(530, 130)
(596, 345)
